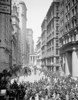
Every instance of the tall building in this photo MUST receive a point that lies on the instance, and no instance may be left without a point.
(5, 36)
(69, 36)
(30, 42)
(22, 24)
(52, 46)
(44, 42)
(29, 37)
(16, 53)
(27, 53)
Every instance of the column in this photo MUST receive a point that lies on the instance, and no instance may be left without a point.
(74, 62)
(63, 63)
(54, 69)
(73, 37)
(64, 41)
(66, 65)
(69, 38)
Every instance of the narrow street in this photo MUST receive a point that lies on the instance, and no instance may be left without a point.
(38, 49)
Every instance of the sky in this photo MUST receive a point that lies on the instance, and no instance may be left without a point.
(36, 12)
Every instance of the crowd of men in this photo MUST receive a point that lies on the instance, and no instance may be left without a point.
(62, 88)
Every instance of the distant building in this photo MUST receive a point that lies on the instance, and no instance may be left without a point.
(27, 53)
(22, 24)
(23, 39)
(15, 45)
(29, 37)
(33, 59)
(69, 36)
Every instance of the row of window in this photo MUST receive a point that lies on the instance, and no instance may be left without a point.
(71, 14)
(51, 43)
(51, 13)
(51, 26)
(72, 1)
(70, 25)
(51, 35)
(70, 5)
(74, 11)
(52, 50)
(68, 39)
(49, 50)
(52, 60)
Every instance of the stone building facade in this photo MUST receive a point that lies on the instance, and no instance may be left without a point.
(43, 43)
(52, 42)
(5, 40)
(15, 43)
(68, 36)
(22, 24)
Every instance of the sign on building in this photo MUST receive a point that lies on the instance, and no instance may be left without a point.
(5, 6)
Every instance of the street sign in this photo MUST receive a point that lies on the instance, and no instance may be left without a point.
(5, 9)
(5, 2)
(5, 6)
